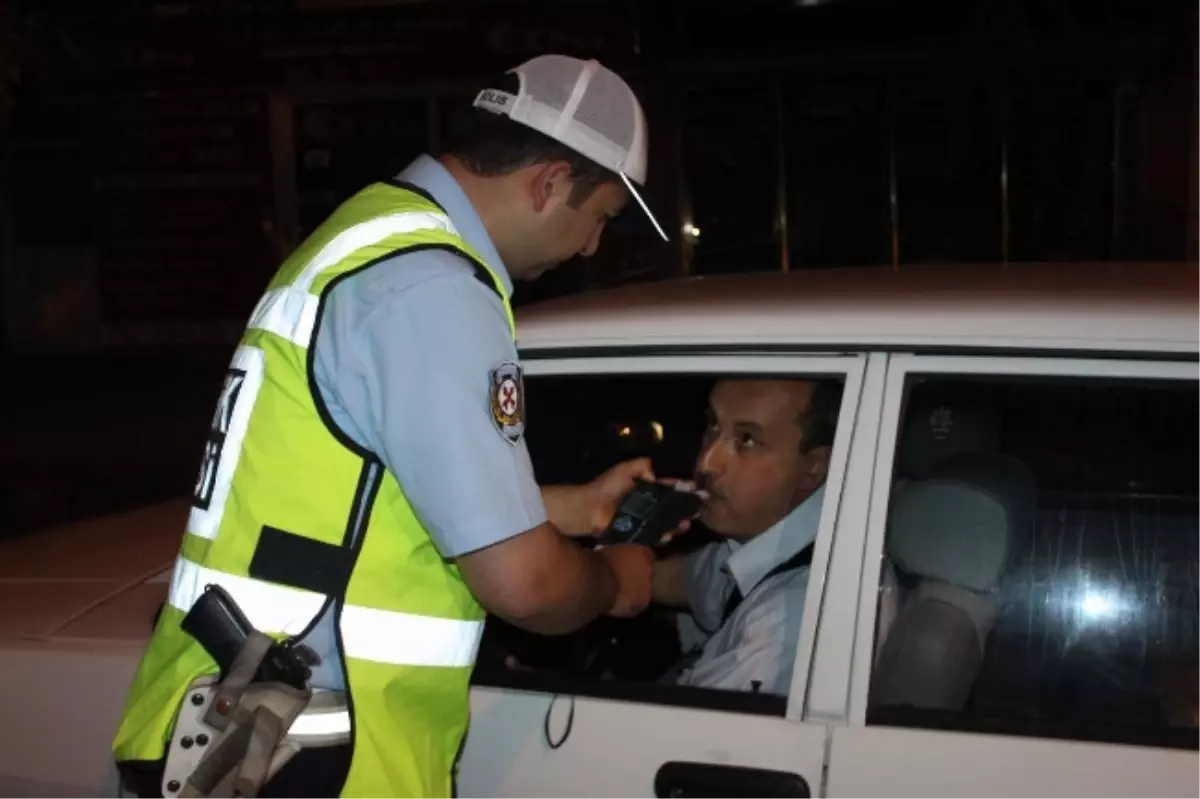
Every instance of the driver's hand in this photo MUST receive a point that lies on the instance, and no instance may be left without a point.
(513, 664)
(633, 565)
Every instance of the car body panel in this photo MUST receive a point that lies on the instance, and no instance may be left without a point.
(1127, 308)
(77, 602)
(894, 762)
(615, 748)
(77, 605)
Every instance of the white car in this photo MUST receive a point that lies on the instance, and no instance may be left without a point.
(1003, 590)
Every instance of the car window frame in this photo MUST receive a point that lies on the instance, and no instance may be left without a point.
(900, 368)
(851, 368)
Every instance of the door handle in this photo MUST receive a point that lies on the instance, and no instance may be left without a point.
(678, 778)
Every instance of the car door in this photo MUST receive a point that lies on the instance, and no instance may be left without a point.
(541, 732)
(1087, 680)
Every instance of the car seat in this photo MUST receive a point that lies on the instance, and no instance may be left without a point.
(956, 531)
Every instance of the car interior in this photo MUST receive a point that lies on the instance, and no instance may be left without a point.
(1040, 561)
(1039, 566)
(959, 513)
(578, 427)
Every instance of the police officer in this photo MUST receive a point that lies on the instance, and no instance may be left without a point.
(365, 486)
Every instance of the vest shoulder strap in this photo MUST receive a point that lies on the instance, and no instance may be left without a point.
(482, 273)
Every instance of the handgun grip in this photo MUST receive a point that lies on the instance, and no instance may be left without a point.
(217, 625)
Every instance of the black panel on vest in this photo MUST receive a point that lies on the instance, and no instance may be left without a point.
(299, 562)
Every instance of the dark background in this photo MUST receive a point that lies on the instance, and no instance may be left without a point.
(157, 160)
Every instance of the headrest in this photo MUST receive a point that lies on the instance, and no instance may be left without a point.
(934, 431)
(963, 523)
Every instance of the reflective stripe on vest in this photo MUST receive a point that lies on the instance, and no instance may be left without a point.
(291, 311)
(383, 636)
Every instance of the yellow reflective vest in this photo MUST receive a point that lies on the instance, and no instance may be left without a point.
(273, 521)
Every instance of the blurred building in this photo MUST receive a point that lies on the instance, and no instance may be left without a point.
(198, 141)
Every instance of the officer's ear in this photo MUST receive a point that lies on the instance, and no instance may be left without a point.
(550, 185)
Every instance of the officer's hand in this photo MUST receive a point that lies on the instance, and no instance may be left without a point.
(606, 492)
(633, 566)
(587, 509)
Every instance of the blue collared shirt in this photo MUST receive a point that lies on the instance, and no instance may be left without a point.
(758, 642)
(403, 359)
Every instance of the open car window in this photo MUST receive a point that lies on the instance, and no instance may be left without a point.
(579, 425)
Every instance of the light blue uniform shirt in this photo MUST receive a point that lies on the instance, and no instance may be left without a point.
(758, 642)
(403, 360)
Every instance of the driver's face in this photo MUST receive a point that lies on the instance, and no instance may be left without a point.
(750, 460)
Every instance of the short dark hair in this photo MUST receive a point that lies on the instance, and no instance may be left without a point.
(492, 145)
(818, 421)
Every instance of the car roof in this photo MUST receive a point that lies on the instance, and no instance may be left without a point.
(1084, 307)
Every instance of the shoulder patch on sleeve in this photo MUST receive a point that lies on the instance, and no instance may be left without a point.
(506, 395)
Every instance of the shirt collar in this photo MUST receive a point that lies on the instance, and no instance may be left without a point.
(750, 562)
(427, 173)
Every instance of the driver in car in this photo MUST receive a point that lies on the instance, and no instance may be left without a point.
(763, 461)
